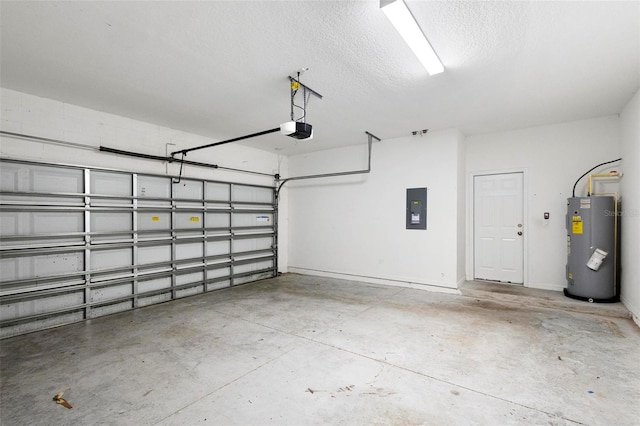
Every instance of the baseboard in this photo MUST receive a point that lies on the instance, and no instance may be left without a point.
(435, 287)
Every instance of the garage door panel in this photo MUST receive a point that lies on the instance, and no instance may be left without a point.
(251, 278)
(110, 183)
(14, 223)
(101, 294)
(217, 248)
(154, 254)
(24, 268)
(190, 291)
(107, 222)
(10, 176)
(102, 310)
(215, 191)
(218, 273)
(241, 269)
(58, 222)
(149, 221)
(109, 259)
(123, 239)
(56, 264)
(39, 178)
(9, 269)
(189, 251)
(189, 278)
(69, 317)
(29, 307)
(152, 300)
(188, 220)
(54, 179)
(218, 220)
(188, 189)
(218, 285)
(146, 286)
(153, 191)
(251, 244)
(242, 193)
(29, 224)
(252, 219)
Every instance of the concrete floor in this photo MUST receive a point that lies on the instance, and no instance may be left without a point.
(299, 350)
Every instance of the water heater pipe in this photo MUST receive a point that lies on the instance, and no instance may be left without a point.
(573, 193)
(599, 176)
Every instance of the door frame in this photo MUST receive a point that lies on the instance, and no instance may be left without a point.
(470, 216)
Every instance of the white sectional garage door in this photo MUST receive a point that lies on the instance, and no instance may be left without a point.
(79, 243)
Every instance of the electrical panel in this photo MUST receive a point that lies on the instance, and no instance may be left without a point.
(416, 208)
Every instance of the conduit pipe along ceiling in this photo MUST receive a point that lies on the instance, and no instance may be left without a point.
(406, 25)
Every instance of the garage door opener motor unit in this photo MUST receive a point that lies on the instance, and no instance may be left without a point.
(298, 128)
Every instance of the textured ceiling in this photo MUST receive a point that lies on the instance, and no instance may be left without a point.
(219, 68)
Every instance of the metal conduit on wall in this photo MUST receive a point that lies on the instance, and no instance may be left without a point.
(336, 174)
(79, 243)
(370, 138)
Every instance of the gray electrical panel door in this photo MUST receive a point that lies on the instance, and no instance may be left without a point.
(416, 208)
(79, 243)
(591, 226)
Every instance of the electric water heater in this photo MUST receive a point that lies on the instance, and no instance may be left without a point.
(591, 249)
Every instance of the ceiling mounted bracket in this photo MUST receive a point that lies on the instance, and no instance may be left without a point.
(305, 87)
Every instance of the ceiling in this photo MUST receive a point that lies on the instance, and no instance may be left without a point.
(219, 68)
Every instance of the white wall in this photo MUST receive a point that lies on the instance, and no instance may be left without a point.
(552, 157)
(355, 226)
(630, 186)
(36, 116)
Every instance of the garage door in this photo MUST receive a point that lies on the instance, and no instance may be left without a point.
(79, 243)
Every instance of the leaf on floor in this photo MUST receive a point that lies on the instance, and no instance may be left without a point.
(58, 399)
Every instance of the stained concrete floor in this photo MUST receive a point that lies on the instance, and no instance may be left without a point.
(300, 350)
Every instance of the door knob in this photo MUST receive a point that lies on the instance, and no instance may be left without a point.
(519, 232)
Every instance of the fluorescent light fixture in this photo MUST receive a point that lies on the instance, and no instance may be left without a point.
(406, 25)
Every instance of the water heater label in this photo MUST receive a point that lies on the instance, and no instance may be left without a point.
(576, 227)
(585, 203)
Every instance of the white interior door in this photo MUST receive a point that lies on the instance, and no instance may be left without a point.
(498, 227)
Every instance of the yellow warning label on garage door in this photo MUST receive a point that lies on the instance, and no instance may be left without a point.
(576, 227)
